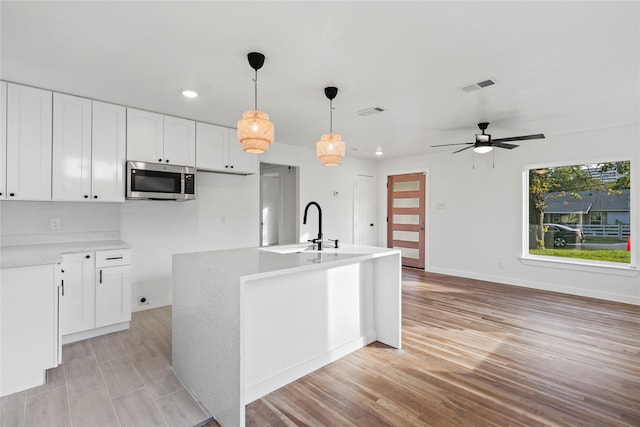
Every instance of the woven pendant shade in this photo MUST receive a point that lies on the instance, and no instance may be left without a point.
(330, 149)
(255, 131)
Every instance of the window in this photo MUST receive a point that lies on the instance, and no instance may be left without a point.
(581, 212)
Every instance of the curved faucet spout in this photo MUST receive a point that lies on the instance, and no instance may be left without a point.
(304, 221)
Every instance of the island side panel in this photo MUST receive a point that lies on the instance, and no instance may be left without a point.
(207, 338)
(388, 299)
(298, 322)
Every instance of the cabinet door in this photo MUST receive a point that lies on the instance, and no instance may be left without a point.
(239, 161)
(211, 143)
(113, 295)
(71, 148)
(108, 152)
(28, 143)
(28, 319)
(77, 293)
(179, 141)
(3, 140)
(145, 139)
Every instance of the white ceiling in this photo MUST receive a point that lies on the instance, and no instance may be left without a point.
(561, 67)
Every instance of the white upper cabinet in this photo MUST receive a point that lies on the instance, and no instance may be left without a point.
(145, 136)
(179, 141)
(3, 140)
(219, 151)
(29, 119)
(88, 150)
(108, 152)
(156, 138)
(71, 148)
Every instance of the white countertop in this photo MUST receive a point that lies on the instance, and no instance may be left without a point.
(253, 263)
(51, 253)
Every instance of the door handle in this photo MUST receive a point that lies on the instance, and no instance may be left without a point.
(100, 281)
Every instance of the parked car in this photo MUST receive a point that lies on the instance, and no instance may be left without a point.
(564, 235)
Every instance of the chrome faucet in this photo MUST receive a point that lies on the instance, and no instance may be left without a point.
(318, 240)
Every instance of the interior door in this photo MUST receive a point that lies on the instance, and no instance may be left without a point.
(364, 211)
(406, 217)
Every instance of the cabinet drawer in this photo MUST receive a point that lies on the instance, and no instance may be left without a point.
(113, 258)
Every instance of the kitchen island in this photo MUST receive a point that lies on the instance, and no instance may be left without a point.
(249, 321)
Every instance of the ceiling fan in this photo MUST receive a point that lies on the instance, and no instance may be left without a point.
(484, 143)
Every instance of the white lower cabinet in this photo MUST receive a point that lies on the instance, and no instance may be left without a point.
(113, 295)
(29, 326)
(77, 293)
(96, 296)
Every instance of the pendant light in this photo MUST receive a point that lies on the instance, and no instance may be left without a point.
(255, 131)
(330, 148)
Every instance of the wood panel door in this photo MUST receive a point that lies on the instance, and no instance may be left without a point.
(406, 217)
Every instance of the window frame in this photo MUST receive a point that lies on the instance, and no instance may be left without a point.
(577, 264)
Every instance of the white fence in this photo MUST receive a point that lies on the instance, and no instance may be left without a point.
(616, 230)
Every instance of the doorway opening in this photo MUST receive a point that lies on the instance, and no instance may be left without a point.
(406, 217)
(278, 204)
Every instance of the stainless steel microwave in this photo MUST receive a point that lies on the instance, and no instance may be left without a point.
(156, 181)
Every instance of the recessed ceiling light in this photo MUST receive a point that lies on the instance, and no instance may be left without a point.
(190, 93)
(379, 153)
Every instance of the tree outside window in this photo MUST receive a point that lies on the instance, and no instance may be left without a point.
(581, 211)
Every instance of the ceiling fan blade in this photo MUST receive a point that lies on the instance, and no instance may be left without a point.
(447, 145)
(462, 149)
(519, 138)
(502, 145)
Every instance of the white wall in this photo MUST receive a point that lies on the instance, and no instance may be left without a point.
(26, 223)
(226, 215)
(474, 216)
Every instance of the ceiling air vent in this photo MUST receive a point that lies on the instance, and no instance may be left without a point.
(479, 85)
(369, 111)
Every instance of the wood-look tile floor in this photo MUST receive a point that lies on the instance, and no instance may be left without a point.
(117, 380)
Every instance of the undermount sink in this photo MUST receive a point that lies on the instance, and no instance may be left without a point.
(289, 249)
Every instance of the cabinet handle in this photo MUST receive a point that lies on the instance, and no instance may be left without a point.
(87, 256)
(226, 166)
(114, 257)
(159, 160)
(95, 197)
(12, 194)
(86, 196)
(62, 287)
(167, 161)
(100, 281)
(231, 166)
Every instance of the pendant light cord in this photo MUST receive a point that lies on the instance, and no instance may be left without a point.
(255, 81)
(331, 116)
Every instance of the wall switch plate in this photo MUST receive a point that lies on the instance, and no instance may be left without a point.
(55, 223)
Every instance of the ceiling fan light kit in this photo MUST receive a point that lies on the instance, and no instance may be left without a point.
(255, 131)
(485, 144)
(330, 148)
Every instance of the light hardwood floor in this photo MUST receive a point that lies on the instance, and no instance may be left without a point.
(478, 354)
(474, 354)
(117, 380)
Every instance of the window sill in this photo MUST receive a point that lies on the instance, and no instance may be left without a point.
(578, 265)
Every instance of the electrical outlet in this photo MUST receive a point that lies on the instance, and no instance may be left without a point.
(55, 223)
(143, 301)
